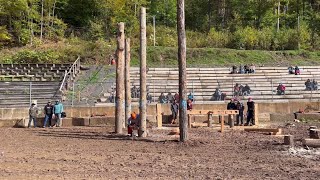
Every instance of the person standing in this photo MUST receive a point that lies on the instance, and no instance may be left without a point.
(58, 109)
(33, 112)
(174, 111)
(240, 108)
(250, 112)
(48, 112)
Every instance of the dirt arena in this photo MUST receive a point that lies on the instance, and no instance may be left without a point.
(95, 153)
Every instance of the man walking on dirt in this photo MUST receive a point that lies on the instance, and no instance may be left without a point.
(48, 111)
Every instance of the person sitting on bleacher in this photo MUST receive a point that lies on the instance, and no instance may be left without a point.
(162, 98)
(246, 69)
(291, 70)
(217, 95)
(134, 92)
(252, 68)
(241, 69)
(177, 98)
(314, 85)
(296, 70)
(281, 89)
(246, 90)
(236, 90)
(234, 70)
(170, 97)
(308, 85)
(191, 97)
(149, 98)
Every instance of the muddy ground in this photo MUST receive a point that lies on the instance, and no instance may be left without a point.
(96, 153)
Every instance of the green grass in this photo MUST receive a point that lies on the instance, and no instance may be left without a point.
(100, 51)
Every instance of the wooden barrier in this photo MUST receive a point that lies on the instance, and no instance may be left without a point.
(276, 131)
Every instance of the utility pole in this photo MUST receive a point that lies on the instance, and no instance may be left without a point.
(154, 30)
(182, 48)
(143, 74)
(127, 77)
(120, 105)
(41, 27)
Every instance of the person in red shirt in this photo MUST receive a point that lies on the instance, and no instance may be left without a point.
(281, 89)
(189, 105)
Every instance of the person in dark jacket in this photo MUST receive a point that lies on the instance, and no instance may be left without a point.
(48, 112)
(33, 112)
(250, 112)
(231, 105)
(174, 111)
(240, 108)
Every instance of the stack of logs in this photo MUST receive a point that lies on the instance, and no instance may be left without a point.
(314, 140)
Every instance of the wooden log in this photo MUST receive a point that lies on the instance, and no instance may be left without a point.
(127, 80)
(159, 115)
(276, 131)
(311, 142)
(314, 133)
(289, 140)
(231, 121)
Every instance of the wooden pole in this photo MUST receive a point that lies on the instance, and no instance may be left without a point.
(143, 73)
(182, 50)
(127, 77)
(288, 140)
(120, 80)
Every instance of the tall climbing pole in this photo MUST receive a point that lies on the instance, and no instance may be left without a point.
(120, 105)
(143, 74)
(127, 77)
(182, 48)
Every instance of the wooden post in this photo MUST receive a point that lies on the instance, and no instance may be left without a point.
(182, 50)
(222, 123)
(231, 120)
(120, 80)
(256, 113)
(288, 140)
(159, 115)
(143, 73)
(210, 119)
(127, 77)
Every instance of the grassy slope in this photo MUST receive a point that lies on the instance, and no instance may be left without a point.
(99, 52)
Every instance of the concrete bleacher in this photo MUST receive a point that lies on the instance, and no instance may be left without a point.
(40, 82)
(204, 81)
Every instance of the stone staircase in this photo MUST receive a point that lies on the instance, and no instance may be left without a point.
(21, 84)
(204, 81)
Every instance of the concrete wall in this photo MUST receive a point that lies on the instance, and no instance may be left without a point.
(264, 108)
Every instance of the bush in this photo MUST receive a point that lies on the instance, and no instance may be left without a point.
(218, 39)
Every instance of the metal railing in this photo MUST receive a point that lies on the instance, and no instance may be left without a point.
(72, 72)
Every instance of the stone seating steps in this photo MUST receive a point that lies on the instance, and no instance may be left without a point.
(67, 65)
(25, 103)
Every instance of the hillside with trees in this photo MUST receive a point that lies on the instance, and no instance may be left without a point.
(59, 30)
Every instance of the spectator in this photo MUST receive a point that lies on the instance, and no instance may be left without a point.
(240, 108)
(252, 68)
(246, 69)
(281, 89)
(217, 95)
(231, 105)
(58, 109)
(246, 90)
(176, 98)
(170, 97)
(234, 70)
(296, 70)
(132, 123)
(314, 85)
(33, 112)
(162, 98)
(149, 98)
(309, 85)
(291, 70)
(241, 69)
(191, 97)
(240, 90)
(112, 97)
(250, 112)
(134, 92)
(189, 105)
(236, 90)
(174, 111)
(223, 96)
(48, 112)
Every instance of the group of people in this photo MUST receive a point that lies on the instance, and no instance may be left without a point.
(281, 89)
(235, 104)
(294, 70)
(218, 95)
(311, 85)
(51, 111)
(169, 98)
(246, 69)
(240, 90)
